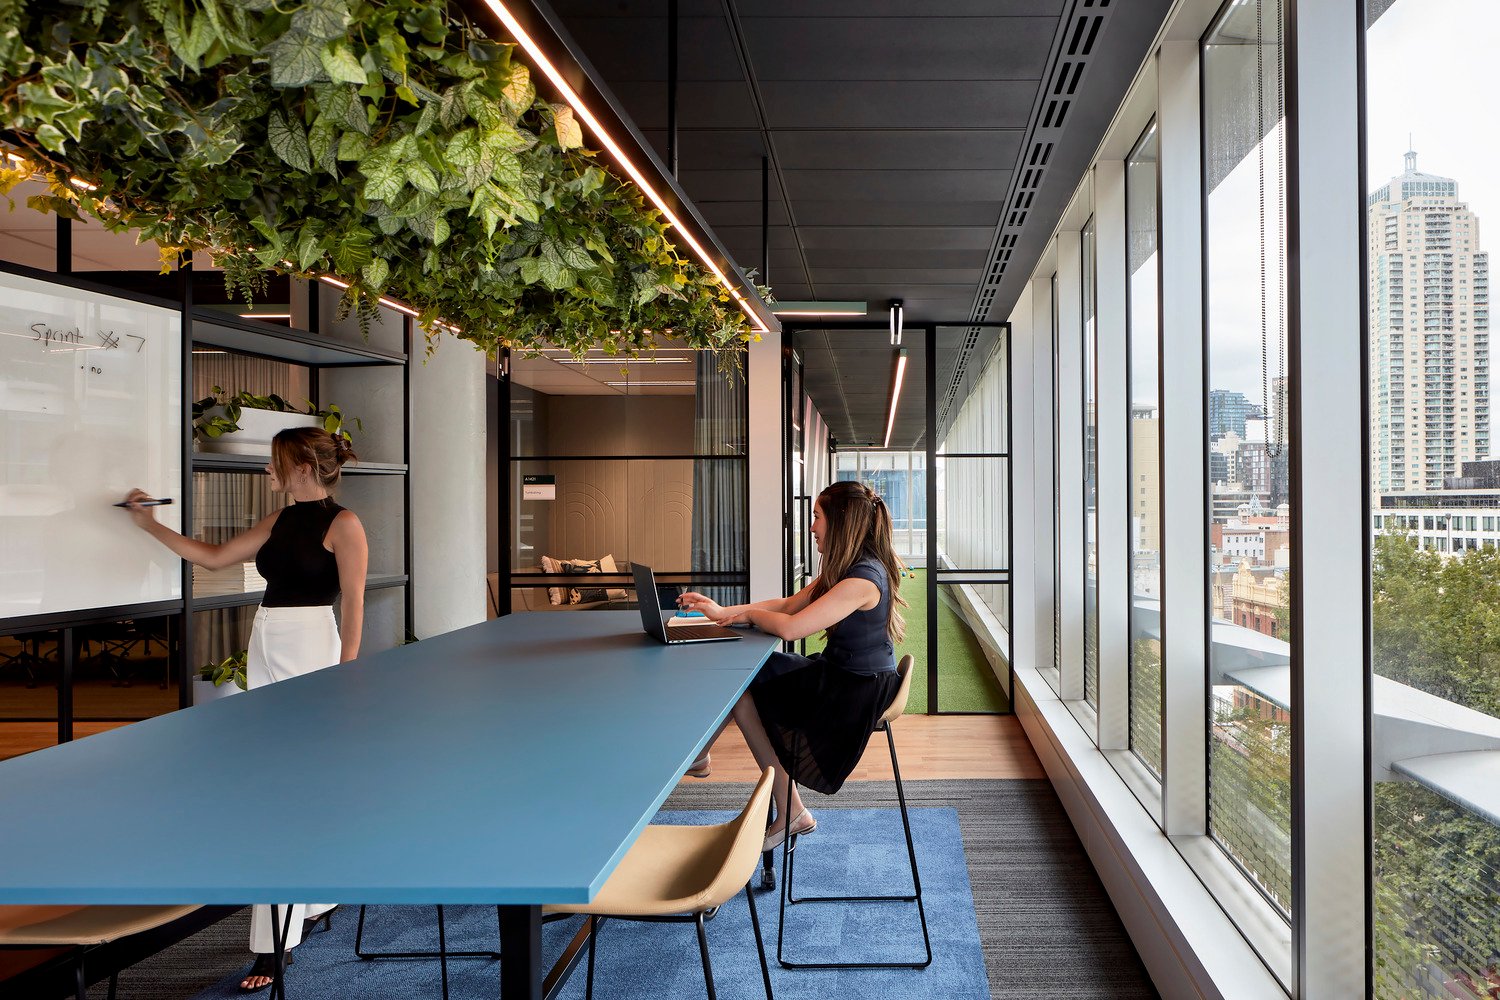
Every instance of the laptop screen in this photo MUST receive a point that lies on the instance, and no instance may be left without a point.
(646, 597)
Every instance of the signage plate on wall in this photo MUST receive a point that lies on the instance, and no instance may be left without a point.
(538, 487)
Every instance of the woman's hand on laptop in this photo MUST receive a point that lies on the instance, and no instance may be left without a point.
(709, 608)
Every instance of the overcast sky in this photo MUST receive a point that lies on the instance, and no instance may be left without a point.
(1433, 73)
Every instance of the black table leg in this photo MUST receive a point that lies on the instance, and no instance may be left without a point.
(280, 931)
(520, 953)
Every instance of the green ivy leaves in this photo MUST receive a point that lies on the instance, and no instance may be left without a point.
(289, 141)
(379, 140)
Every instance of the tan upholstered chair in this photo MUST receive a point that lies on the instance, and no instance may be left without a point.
(677, 874)
(82, 928)
(788, 857)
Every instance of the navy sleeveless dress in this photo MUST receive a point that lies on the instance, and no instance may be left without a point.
(819, 711)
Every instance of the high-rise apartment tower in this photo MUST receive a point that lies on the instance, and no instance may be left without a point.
(1429, 330)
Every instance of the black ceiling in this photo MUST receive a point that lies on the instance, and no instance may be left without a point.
(894, 141)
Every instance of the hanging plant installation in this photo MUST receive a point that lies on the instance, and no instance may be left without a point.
(385, 142)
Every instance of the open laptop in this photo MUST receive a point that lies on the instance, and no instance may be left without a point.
(645, 592)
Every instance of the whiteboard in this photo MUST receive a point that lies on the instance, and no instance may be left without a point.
(90, 406)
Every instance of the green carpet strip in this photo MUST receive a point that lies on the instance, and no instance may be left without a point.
(966, 682)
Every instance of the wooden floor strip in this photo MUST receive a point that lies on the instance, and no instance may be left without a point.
(929, 746)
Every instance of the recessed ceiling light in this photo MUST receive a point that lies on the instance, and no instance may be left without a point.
(820, 308)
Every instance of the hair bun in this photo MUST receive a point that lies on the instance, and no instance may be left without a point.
(343, 448)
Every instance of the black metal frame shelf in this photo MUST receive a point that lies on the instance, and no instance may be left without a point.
(209, 327)
(221, 601)
(213, 328)
(213, 462)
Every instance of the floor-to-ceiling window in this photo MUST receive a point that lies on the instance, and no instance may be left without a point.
(1053, 673)
(1431, 180)
(1090, 467)
(1144, 490)
(1249, 549)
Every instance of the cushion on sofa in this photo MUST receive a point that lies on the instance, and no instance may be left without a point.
(583, 595)
(555, 595)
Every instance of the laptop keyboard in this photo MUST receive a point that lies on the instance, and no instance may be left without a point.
(695, 632)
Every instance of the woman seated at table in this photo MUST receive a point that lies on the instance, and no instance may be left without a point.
(811, 716)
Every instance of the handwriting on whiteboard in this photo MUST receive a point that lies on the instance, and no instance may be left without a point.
(74, 339)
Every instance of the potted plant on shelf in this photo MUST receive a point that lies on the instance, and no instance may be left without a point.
(222, 679)
(243, 423)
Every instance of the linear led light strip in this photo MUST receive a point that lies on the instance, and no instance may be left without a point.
(895, 398)
(400, 307)
(574, 101)
(619, 361)
(76, 181)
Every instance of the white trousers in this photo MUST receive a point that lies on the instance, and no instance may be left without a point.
(288, 642)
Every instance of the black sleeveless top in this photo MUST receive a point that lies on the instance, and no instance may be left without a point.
(299, 572)
(860, 643)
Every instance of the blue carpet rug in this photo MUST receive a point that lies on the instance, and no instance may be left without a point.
(853, 852)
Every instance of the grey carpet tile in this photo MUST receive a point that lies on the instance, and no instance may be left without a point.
(1046, 926)
(190, 966)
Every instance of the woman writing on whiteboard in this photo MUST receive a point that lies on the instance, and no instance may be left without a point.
(311, 553)
(811, 716)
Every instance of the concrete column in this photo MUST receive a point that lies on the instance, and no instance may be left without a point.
(447, 479)
(1112, 411)
(1184, 543)
(767, 491)
(1330, 501)
(1028, 336)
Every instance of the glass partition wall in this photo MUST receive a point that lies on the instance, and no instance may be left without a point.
(944, 477)
(616, 462)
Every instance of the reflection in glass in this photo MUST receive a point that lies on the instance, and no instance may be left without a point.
(29, 673)
(1144, 490)
(1249, 551)
(1090, 469)
(1429, 73)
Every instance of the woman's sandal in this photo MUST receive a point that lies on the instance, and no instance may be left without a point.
(702, 767)
(264, 968)
(774, 840)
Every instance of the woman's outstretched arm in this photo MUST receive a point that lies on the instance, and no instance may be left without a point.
(240, 548)
(694, 601)
(849, 595)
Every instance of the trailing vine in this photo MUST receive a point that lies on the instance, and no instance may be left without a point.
(385, 142)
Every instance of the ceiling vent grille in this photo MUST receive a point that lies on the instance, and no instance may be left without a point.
(1071, 49)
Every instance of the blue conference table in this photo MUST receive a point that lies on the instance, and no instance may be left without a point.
(510, 763)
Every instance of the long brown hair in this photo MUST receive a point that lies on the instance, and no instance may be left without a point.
(313, 446)
(859, 524)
